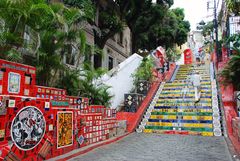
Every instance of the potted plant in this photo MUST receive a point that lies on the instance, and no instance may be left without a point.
(143, 76)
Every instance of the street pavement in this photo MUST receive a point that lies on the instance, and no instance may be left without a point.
(156, 147)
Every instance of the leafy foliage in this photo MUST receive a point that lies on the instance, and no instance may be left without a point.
(233, 6)
(144, 71)
(58, 30)
(83, 82)
(173, 55)
(13, 55)
(70, 81)
(231, 72)
(16, 15)
(140, 15)
(167, 31)
(206, 29)
(49, 62)
(235, 40)
(85, 5)
(59, 40)
(108, 22)
(183, 27)
(90, 87)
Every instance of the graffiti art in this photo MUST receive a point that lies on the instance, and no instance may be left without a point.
(64, 129)
(28, 128)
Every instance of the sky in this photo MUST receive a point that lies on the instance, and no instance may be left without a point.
(195, 10)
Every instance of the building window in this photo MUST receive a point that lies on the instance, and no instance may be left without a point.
(97, 61)
(110, 63)
(70, 55)
(121, 38)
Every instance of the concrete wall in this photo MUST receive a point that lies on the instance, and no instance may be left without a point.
(118, 49)
(120, 79)
(114, 48)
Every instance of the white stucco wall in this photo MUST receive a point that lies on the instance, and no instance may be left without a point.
(120, 79)
(181, 60)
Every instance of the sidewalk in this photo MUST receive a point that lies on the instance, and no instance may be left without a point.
(86, 149)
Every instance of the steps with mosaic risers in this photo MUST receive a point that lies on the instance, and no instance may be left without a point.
(169, 113)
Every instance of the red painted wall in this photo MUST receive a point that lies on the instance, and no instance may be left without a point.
(228, 102)
(94, 123)
(188, 56)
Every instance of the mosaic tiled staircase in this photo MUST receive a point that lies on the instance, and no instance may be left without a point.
(169, 113)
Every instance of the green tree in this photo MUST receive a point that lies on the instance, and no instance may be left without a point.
(86, 6)
(206, 29)
(168, 31)
(64, 35)
(233, 6)
(161, 33)
(89, 86)
(15, 17)
(183, 26)
(106, 24)
(49, 60)
(231, 72)
(109, 23)
(140, 15)
(70, 80)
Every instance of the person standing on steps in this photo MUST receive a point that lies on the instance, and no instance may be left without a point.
(196, 82)
(185, 89)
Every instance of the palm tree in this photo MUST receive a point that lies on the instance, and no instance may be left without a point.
(70, 81)
(53, 28)
(91, 88)
(15, 16)
(58, 41)
(231, 72)
(84, 83)
(50, 61)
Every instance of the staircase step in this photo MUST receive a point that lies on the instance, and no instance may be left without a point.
(179, 125)
(182, 107)
(184, 117)
(178, 132)
(180, 91)
(182, 110)
(181, 121)
(183, 113)
(179, 88)
(198, 129)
